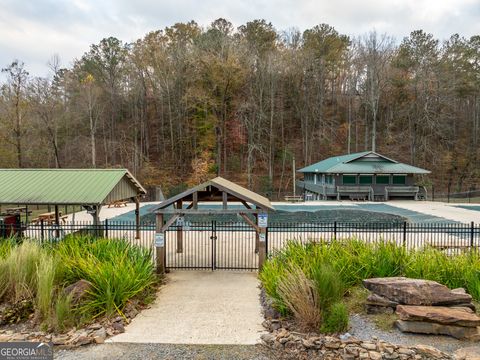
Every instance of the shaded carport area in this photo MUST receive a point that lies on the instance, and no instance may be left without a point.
(213, 244)
(89, 188)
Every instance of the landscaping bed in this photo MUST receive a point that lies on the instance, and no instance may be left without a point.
(75, 292)
(312, 291)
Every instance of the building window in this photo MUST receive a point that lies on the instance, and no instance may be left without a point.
(365, 179)
(349, 179)
(383, 179)
(399, 179)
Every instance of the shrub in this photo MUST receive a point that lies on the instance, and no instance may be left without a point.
(328, 284)
(336, 319)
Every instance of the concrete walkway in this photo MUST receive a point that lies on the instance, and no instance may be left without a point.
(201, 307)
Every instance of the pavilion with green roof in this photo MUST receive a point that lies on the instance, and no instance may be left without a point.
(361, 176)
(90, 188)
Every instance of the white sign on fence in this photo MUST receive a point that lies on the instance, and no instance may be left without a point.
(262, 220)
(159, 240)
(262, 237)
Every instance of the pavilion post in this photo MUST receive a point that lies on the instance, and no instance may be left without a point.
(137, 217)
(262, 247)
(257, 235)
(179, 231)
(57, 222)
(160, 245)
(96, 219)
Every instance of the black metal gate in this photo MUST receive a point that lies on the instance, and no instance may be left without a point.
(214, 245)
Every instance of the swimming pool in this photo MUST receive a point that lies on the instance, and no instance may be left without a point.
(355, 212)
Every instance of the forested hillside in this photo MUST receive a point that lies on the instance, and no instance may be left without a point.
(188, 102)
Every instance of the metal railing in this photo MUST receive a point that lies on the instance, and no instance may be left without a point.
(233, 245)
(454, 237)
(49, 232)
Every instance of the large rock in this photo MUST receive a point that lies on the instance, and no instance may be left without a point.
(415, 292)
(78, 290)
(459, 316)
(419, 327)
(377, 304)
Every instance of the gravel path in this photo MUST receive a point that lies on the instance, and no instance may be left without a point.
(363, 328)
(124, 351)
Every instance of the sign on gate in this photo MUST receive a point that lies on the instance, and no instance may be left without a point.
(159, 240)
(262, 220)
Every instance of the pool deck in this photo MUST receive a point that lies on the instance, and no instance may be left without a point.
(440, 209)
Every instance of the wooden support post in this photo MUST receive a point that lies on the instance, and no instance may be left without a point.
(257, 235)
(179, 231)
(261, 240)
(137, 217)
(262, 247)
(57, 222)
(224, 200)
(96, 220)
(195, 200)
(160, 245)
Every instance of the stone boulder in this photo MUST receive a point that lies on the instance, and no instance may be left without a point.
(415, 291)
(377, 304)
(420, 327)
(458, 316)
(78, 290)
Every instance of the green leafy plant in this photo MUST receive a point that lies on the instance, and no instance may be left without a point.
(336, 319)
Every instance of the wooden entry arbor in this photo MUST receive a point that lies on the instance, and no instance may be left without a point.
(215, 190)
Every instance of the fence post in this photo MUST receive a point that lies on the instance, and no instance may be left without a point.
(160, 245)
(404, 233)
(106, 228)
(335, 230)
(472, 234)
(42, 229)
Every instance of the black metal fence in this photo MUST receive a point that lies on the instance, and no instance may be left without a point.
(47, 232)
(452, 236)
(233, 245)
(211, 245)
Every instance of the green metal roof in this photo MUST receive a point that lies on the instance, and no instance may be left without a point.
(353, 164)
(66, 186)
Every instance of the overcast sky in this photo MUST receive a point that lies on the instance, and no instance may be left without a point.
(34, 30)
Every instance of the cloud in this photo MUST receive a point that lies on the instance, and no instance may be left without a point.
(34, 30)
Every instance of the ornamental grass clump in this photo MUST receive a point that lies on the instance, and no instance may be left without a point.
(18, 279)
(301, 298)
